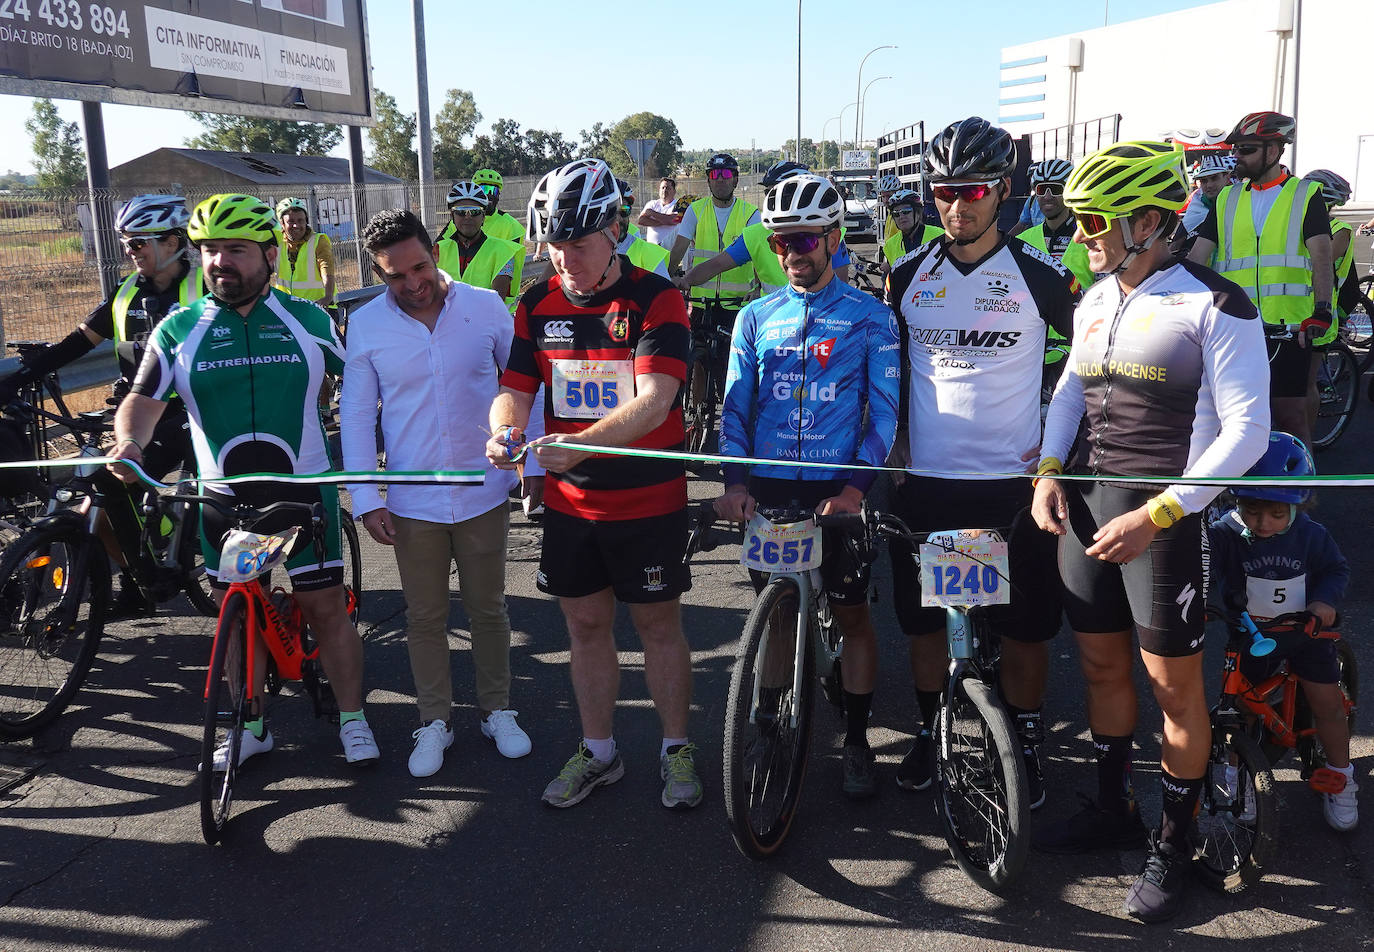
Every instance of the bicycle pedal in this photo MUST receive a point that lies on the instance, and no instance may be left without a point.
(1326, 780)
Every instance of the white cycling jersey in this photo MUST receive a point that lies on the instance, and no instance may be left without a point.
(1171, 380)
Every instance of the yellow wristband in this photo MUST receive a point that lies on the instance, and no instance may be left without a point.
(1049, 466)
(1164, 510)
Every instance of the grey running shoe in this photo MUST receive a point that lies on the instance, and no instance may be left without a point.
(582, 774)
(681, 785)
(860, 773)
(1157, 893)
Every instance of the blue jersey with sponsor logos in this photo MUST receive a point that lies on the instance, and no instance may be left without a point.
(803, 370)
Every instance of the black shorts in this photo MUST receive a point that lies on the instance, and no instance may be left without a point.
(844, 578)
(639, 559)
(1163, 592)
(926, 504)
(1290, 368)
(705, 320)
(303, 565)
(1311, 659)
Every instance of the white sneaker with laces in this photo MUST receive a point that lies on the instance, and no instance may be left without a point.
(360, 747)
(511, 741)
(430, 743)
(1342, 810)
(250, 746)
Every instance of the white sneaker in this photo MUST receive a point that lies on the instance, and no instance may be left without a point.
(358, 743)
(430, 743)
(1341, 810)
(249, 747)
(511, 741)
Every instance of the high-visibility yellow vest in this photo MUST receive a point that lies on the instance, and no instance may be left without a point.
(766, 264)
(1274, 267)
(890, 228)
(736, 282)
(303, 280)
(192, 289)
(1075, 256)
(1347, 260)
(490, 258)
(646, 254)
(503, 226)
(895, 246)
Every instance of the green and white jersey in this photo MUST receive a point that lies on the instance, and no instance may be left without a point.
(251, 384)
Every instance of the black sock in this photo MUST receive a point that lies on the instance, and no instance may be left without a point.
(1180, 802)
(1114, 792)
(928, 702)
(856, 708)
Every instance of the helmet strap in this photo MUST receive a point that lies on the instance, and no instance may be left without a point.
(1133, 250)
(610, 263)
(1250, 537)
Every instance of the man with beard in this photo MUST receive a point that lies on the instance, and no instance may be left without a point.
(249, 361)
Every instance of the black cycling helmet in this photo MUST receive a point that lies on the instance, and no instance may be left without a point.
(722, 160)
(781, 170)
(1265, 126)
(971, 149)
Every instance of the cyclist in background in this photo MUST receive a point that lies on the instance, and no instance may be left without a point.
(813, 376)
(498, 224)
(1054, 235)
(166, 275)
(1211, 174)
(1167, 377)
(905, 211)
(249, 360)
(888, 185)
(642, 254)
(1336, 192)
(471, 255)
(1269, 557)
(306, 265)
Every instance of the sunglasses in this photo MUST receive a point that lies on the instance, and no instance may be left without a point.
(1250, 149)
(626, 209)
(902, 209)
(490, 189)
(719, 175)
(1093, 225)
(468, 211)
(1047, 189)
(973, 192)
(802, 244)
(136, 244)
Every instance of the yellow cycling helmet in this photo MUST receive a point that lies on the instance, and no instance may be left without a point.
(226, 217)
(1128, 176)
(487, 177)
(287, 204)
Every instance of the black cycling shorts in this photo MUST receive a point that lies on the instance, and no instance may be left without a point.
(844, 578)
(1290, 368)
(640, 560)
(303, 565)
(927, 503)
(1311, 659)
(1163, 592)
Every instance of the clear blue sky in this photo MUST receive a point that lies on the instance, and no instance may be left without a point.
(562, 66)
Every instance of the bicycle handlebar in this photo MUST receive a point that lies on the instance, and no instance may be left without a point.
(241, 514)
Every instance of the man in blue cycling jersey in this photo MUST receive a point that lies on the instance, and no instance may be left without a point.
(813, 376)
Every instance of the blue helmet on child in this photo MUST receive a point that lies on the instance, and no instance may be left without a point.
(1285, 456)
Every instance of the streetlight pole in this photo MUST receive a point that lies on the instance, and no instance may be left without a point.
(799, 3)
(859, 142)
(858, 86)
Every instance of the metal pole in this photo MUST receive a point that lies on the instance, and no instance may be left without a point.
(859, 86)
(1297, 71)
(355, 176)
(422, 109)
(98, 181)
(859, 144)
(799, 75)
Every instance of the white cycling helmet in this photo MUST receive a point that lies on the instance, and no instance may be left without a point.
(577, 199)
(152, 215)
(291, 204)
(804, 199)
(887, 182)
(466, 191)
(1335, 189)
(1219, 164)
(904, 196)
(1050, 172)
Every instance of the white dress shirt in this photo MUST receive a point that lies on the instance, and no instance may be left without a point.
(435, 389)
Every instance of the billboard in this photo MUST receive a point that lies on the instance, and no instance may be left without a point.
(304, 60)
(849, 159)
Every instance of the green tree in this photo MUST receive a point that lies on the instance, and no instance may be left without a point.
(57, 151)
(667, 155)
(595, 142)
(546, 150)
(275, 136)
(393, 140)
(453, 123)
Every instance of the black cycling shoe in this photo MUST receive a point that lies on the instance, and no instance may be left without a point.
(1093, 828)
(1158, 891)
(918, 766)
(860, 772)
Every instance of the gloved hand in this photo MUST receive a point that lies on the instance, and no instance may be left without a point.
(1315, 326)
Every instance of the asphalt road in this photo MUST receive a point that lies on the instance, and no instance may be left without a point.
(100, 847)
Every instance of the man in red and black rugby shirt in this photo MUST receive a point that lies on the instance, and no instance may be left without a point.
(609, 342)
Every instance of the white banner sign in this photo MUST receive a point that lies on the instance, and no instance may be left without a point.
(857, 159)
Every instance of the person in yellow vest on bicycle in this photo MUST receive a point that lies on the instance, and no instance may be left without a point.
(305, 267)
(1054, 235)
(904, 210)
(498, 224)
(888, 185)
(471, 255)
(1336, 192)
(642, 254)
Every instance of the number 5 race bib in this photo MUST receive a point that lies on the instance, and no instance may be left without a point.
(792, 547)
(590, 389)
(1267, 598)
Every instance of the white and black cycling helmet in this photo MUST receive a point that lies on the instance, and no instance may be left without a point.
(802, 200)
(970, 150)
(573, 200)
(1050, 172)
(1216, 164)
(152, 215)
(888, 182)
(904, 196)
(722, 160)
(627, 191)
(1335, 189)
(782, 170)
(466, 191)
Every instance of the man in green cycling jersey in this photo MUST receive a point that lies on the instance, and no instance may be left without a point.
(249, 361)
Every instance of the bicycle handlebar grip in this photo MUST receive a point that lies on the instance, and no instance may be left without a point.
(853, 523)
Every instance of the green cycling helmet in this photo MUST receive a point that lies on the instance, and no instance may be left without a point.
(227, 217)
(286, 204)
(487, 177)
(1128, 176)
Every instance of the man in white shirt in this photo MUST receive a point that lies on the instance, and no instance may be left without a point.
(432, 350)
(659, 218)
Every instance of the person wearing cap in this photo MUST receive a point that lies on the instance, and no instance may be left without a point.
(1272, 236)
(306, 268)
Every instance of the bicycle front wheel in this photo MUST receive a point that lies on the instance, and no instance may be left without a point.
(980, 777)
(1237, 826)
(226, 711)
(766, 747)
(54, 587)
(353, 565)
(1338, 390)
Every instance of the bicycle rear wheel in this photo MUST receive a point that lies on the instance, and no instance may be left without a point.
(196, 581)
(765, 753)
(980, 777)
(353, 565)
(54, 587)
(1338, 390)
(1236, 830)
(1310, 750)
(226, 711)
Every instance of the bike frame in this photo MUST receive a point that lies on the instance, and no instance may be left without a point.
(808, 629)
(1238, 689)
(263, 623)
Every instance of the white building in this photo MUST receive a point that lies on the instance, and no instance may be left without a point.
(1204, 68)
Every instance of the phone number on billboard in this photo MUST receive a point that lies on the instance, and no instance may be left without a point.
(67, 15)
